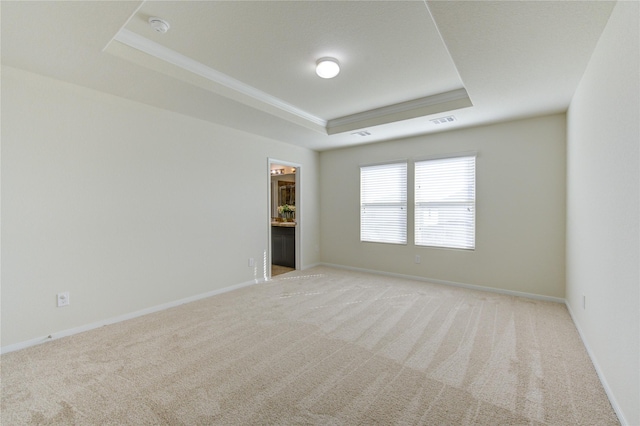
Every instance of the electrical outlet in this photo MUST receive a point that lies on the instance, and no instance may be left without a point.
(417, 259)
(63, 299)
(252, 262)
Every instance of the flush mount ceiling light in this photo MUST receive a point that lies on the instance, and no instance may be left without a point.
(160, 25)
(327, 67)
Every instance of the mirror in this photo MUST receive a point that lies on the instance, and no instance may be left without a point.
(283, 193)
(286, 193)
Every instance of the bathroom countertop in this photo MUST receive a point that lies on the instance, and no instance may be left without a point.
(284, 224)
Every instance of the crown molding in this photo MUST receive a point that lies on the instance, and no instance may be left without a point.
(420, 107)
(427, 105)
(158, 51)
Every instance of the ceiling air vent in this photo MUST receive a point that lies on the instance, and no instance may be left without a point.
(444, 120)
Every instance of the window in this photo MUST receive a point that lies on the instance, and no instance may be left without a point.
(445, 191)
(383, 203)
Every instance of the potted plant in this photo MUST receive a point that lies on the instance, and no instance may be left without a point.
(287, 211)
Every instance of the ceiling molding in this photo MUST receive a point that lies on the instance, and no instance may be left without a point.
(442, 102)
(397, 112)
(158, 51)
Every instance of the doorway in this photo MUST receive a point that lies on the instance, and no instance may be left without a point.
(284, 216)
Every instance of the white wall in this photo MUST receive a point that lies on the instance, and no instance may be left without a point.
(603, 209)
(520, 219)
(126, 206)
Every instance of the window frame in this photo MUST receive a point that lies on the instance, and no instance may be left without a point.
(451, 208)
(397, 234)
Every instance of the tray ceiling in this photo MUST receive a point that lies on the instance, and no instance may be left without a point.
(250, 64)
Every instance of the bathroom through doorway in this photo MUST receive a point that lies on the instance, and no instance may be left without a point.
(284, 216)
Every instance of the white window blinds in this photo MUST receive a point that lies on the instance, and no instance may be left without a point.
(383, 203)
(445, 197)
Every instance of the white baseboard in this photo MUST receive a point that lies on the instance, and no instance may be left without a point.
(601, 376)
(451, 283)
(120, 318)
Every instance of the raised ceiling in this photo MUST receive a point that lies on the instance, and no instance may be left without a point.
(250, 64)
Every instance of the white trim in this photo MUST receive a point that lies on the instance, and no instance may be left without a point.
(299, 210)
(120, 318)
(364, 118)
(158, 51)
(452, 283)
(601, 376)
(384, 163)
(453, 95)
(441, 102)
(446, 156)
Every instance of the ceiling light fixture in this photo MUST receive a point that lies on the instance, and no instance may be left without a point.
(327, 67)
(160, 25)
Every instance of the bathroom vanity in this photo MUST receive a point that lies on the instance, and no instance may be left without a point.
(283, 244)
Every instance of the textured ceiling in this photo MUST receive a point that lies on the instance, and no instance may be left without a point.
(250, 65)
(273, 46)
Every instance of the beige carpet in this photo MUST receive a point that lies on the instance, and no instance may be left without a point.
(321, 346)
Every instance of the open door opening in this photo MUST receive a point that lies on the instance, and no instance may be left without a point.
(284, 216)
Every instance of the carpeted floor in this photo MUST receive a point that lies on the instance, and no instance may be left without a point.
(321, 346)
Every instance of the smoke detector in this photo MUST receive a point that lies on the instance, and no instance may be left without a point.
(160, 25)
